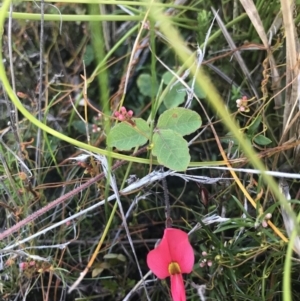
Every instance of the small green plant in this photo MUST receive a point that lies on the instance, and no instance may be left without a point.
(177, 91)
(167, 142)
(252, 133)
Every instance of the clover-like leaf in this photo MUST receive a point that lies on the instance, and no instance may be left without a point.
(167, 77)
(197, 90)
(99, 267)
(125, 136)
(80, 126)
(181, 120)
(171, 150)
(119, 257)
(175, 96)
(144, 83)
(262, 140)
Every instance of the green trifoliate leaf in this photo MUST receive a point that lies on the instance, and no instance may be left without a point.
(181, 120)
(171, 150)
(144, 83)
(167, 77)
(125, 136)
(175, 97)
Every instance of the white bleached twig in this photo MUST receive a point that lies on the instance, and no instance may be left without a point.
(288, 222)
(277, 174)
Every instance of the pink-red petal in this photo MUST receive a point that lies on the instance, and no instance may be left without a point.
(174, 247)
(180, 249)
(158, 260)
(177, 288)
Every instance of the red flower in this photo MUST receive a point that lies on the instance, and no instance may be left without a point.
(172, 257)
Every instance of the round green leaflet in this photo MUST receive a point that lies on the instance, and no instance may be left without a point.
(171, 149)
(181, 120)
(125, 136)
